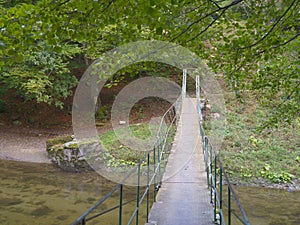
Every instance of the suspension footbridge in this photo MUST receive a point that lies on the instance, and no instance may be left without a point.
(186, 181)
(184, 197)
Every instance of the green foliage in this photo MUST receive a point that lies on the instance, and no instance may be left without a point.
(119, 154)
(250, 152)
(42, 75)
(103, 113)
(254, 44)
(12, 3)
(258, 49)
(36, 50)
(140, 70)
(57, 141)
(275, 177)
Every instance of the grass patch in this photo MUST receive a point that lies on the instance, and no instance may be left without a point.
(251, 154)
(119, 154)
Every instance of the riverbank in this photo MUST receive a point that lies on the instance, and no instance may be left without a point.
(252, 157)
(27, 144)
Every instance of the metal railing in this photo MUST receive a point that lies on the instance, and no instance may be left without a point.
(153, 164)
(215, 179)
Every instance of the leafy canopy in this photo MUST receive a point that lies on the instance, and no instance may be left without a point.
(254, 44)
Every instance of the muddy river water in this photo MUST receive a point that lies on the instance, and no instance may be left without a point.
(43, 194)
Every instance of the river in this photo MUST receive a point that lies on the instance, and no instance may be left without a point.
(43, 194)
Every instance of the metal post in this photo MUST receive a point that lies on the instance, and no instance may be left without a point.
(121, 204)
(215, 190)
(148, 187)
(207, 175)
(138, 196)
(229, 206)
(199, 102)
(154, 182)
(204, 145)
(163, 150)
(198, 87)
(221, 187)
(184, 83)
(211, 177)
(158, 161)
(206, 163)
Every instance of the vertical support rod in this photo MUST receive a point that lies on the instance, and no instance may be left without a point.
(221, 192)
(199, 102)
(198, 87)
(162, 151)
(211, 175)
(215, 189)
(121, 204)
(154, 169)
(229, 206)
(158, 161)
(204, 146)
(83, 222)
(138, 196)
(207, 163)
(184, 83)
(148, 186)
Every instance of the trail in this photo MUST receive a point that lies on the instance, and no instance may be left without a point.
(27, 144)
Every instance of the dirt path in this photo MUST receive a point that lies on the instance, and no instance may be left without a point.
(27, 144)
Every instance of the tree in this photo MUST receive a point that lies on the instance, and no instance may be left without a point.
(253, 44)
(38, 42)
(259, 52)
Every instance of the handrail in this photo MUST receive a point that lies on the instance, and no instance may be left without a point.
(109, 210)
(160, 147)
(215, 171)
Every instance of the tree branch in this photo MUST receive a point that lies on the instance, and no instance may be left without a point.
(207, 27)
(236, 69)
(185, 13)
(272, 28)
(65, 2)
(215, 3)
(282, 44)
(190, 11)
(235, 2)
(107, 6)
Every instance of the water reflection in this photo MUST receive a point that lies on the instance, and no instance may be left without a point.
(43, 194)
(265, 206)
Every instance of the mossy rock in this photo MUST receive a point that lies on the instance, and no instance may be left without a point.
(57, 141)
(73, 146)
(64, 152)
(55, 148)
